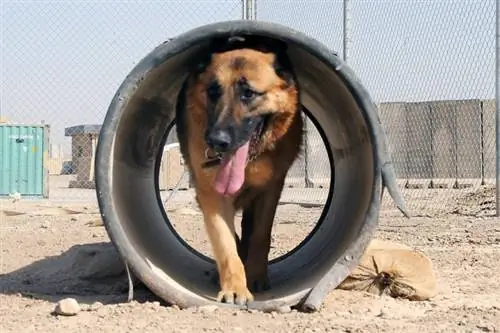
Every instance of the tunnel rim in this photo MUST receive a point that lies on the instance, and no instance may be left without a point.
(105, 147)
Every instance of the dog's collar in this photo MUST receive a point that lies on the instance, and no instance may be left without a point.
(211, 161)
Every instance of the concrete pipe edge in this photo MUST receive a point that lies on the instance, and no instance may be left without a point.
(126, 187)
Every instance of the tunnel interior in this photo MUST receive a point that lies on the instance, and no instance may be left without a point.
(145, 115)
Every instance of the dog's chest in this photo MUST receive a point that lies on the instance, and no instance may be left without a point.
(259, 173)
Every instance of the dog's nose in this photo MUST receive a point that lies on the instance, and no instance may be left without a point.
(219, 140)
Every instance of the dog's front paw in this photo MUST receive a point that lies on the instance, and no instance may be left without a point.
(233, 285)
(240, 296)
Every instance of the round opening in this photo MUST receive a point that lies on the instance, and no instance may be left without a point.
(301, 208)
(133, 136)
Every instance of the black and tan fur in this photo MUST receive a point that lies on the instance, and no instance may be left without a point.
(238, 86)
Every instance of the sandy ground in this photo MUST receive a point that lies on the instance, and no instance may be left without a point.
(38, 253)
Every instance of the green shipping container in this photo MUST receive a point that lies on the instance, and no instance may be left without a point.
(23, 152)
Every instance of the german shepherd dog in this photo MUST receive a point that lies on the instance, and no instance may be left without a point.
(239, 126)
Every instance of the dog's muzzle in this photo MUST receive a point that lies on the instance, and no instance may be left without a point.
(220, 140)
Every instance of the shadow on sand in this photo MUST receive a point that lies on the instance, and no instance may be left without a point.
(87, 272)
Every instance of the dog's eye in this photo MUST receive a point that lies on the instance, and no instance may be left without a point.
(247, 95)
(213, 91)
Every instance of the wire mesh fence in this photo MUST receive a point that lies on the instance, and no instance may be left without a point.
(62, 62)
(428, 65)
(430, 68)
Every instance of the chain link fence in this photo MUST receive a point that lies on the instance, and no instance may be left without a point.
(430, 68)
(62, 62)
(428, 65)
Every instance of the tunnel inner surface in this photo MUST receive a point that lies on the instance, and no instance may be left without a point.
(132, 137)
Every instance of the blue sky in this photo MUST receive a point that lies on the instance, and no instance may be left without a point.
(62, 61)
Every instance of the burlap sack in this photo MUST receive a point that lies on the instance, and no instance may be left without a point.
(393, 269)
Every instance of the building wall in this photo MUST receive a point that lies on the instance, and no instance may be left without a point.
(430, 141)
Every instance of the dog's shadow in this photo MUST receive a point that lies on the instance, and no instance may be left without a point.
(88, 272)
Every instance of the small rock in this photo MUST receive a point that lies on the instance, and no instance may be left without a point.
(206, 309)
(485, 327)
(84, 307)
(283, 309)
(253, 311)
(155, 305)
(95, 223)
(384, 313)
(186, 211)
(95, 306)
(67, 307)
(101, 312)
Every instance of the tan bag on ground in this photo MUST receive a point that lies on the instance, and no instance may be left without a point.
(393, 269)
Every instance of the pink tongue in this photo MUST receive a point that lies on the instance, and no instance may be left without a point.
(231, 173)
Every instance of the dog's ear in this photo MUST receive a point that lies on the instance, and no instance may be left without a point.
(202, 62)
(282, 64)
(269, 45)
(216, 45)
(220, 45)
(259, 43)
(283, 68)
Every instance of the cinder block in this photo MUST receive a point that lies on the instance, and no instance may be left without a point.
(392, 117)
(419, 183)
(418, 140)
(489, 181)
(402, 183)
(488, 139)
(468, 183)
(443, 183)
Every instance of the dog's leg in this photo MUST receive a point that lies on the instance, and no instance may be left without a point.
(256, 236)
(214, 274)
(247, 221)
(219, 222)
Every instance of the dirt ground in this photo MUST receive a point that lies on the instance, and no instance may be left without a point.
(39, 250)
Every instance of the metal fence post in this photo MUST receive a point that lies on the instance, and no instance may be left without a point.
(243, 9)
(497, 105)
(347, 29)
(250, 9)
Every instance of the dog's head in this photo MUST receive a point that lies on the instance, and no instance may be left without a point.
(249, 88)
